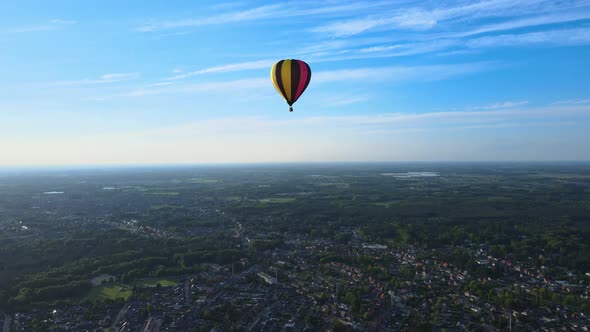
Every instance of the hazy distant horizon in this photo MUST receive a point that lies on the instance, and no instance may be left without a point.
(287, 164)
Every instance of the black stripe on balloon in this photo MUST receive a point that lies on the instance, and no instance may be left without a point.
(279, 79)
(295, 77)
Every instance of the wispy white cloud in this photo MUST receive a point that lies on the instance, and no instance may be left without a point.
(429, 121)
(344, 100)
(34, 28)
(528, 22)
(516, 125)
(417, 18)
(226, 5)
(422, 43)
(460, 46)
(329, 7)
(408, 48)
(264, 12)
(381, 48)
(399, 73)
(227, 68)
(63, 22)
(456, 127)
(458, 52)
(344, 76)
(160, 84)
(502, 105)
(387, 15)
(330, 45)
(210, 87)
(350, 27)
(118, 77)
(238, 16)
(572, 102)
(578, 36)
(409, 19)
(414, 18)
(106, 78)
(54, 24)
(394, 50)
(246, 84)
(444, 118)
(565, 37)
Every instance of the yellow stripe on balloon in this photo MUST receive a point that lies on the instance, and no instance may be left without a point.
(286, 79)
(274, 79)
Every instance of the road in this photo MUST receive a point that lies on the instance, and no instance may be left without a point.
(187, 294)
(119, 316)
(6, 322)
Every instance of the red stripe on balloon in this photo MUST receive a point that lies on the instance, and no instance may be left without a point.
(302, 78)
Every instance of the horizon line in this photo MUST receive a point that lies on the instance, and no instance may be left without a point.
(278, 163)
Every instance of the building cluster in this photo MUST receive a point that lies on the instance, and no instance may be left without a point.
(291, 288)
(298, 286)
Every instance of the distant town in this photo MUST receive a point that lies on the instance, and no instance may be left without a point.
(353, 247)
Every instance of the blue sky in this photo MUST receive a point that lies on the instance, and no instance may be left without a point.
(136, 82)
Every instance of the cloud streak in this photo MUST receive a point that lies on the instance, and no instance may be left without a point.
(417, 18)
(54, 24)
(360, 123)
(239, 16)
(263, 12)
(567, 37)
(572, 102)
(227, 68)
(104, 79)
(506, 104)
(458, 46)
(398, 73)
(344, 76)
(528, 22)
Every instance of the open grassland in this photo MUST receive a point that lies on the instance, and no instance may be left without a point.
(204, 181)
(155, 282)
(111, 291)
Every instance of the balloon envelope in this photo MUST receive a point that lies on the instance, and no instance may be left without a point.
(290, 77)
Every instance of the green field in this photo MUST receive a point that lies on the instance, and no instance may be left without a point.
(277, 200)
(112, 291)
(204, 181)
(154, 282)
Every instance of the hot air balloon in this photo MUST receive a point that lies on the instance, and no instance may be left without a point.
(290, 77)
